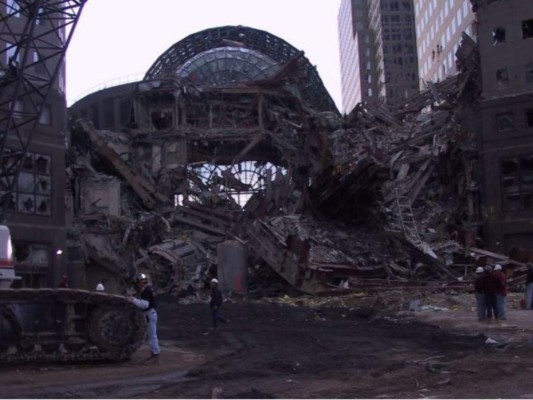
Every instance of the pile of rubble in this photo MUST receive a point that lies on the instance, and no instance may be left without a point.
(337, 202)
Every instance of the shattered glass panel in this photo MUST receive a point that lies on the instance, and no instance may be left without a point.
(28, 164)
(43, 205)
(26, 182)
(26, 203)
(43, 184)
(42, 164)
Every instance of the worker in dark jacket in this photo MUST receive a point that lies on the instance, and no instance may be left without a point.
(491, 286)
(146, 302)
(501, 293)
(480, 296)
(215, 303)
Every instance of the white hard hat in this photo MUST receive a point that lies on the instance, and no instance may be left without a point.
(479, 270)
(100, 287)
(214, 280)
(497, 267)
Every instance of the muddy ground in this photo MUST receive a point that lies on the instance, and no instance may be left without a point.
(305, 348)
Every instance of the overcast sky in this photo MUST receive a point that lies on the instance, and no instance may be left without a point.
(118, 40)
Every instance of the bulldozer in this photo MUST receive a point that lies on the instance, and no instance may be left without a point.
(50, 325)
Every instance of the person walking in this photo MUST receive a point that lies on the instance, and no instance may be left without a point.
(501, 292)
(215, 303)
(146, 302)
(490, 285)
(480, 296)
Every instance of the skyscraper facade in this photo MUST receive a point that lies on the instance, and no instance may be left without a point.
(439, 26)
(378, 52)
(505, 37)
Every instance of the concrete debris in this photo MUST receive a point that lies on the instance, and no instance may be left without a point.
(330, 203)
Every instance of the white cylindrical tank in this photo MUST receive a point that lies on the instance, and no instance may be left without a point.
(232, 260)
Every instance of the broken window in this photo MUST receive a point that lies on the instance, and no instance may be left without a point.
(529, 73)
(504, 122)
(529, 117)
(44, 118)
(502, 78)
(34, 185)
(498, 36)
(161, 119)
(527, 28)
(517, 183)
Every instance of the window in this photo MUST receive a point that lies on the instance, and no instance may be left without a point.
(529, 73)
(529, 117)
(502, 78)
(517, 183)
(34, 185)
(18, 108)
(45, 117)
(498, 36)
(527, 28)
(504, 122)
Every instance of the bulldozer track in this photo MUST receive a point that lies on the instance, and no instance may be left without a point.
(67, 325)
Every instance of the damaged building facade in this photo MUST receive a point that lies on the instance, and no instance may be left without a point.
(505, 37)
(33, 105)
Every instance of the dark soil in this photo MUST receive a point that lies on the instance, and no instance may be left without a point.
(283, 351)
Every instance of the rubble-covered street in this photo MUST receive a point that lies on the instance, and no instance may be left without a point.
(308, 347)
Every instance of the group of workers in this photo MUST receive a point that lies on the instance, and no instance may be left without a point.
(491, 291)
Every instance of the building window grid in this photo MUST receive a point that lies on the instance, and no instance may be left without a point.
(517, 183)
(34, 185)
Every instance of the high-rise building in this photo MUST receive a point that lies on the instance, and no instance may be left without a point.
(378, 52)
(356, 54)
(439, 26)
(505, 37)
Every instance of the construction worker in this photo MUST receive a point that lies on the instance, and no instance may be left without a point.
(215, 303)
(480, 296)
(100, 288)
(501, 292)
(146, 302)
(491, 286)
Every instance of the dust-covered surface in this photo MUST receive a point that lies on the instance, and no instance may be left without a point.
(290, 347)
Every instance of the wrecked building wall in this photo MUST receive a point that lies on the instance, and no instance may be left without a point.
(506, 49)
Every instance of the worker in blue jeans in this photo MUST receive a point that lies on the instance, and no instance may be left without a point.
(146, 302)
(215, 303)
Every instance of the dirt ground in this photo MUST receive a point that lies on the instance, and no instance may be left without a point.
(353, 346)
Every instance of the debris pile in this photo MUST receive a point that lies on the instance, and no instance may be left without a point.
(328, 202)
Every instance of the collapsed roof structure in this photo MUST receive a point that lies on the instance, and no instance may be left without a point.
(233, 138)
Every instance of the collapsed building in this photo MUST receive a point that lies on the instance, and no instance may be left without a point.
(230, 158)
